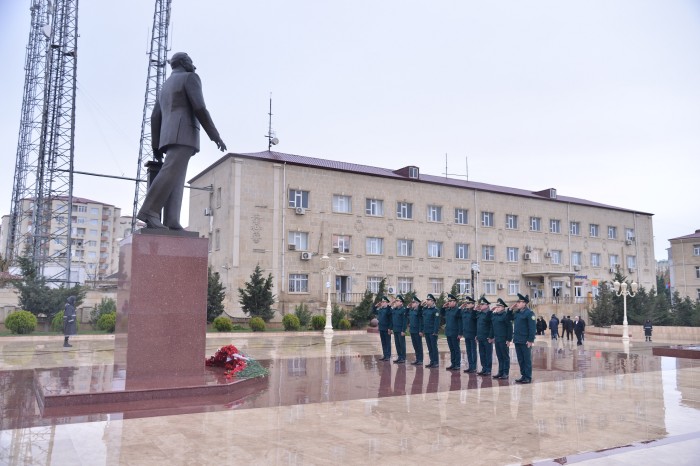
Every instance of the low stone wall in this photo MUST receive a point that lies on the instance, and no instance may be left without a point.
(636, 332)
(8, 302)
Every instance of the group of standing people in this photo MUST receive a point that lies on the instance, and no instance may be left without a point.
(479, 324)
(569, 327)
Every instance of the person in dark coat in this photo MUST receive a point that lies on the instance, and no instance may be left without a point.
(579, 328)
(647, 330)
(524, 337)
(383, 313)
(415, 322)
(569, 328)
(541, 325)
(502, 335)
(399, 322)
(453, 328)
(483, 333)
(554, 326)
(430, 325)
(70, 325)
(469, 332)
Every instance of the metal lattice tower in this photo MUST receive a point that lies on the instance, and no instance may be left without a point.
(157, 61)
(48, 159)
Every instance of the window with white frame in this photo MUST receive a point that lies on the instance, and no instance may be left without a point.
(404, 247)
(576, 258)
(374, 207)
(575, 228)
(612, 232)
(342, 204)
(512, 254)
(434, 213)
(595, 259)
(435, 285)
(489, 286)
(535, 224)
(511, 222)
(697, 271)
(632, 262)
(300, 240)
(94, 232)
(556, 256)
(341, 243)
(298, 198)
(696, 249)
(513, 287)
(554, 225)
(614, 260)
(461, 251)
(464, 285)
(488, 253)
(404, 210)
(486, 219)
(375, 246)
(373, 284)
(79, 208)
(94, 211)
(298, 283)
(698, 294)
(594, 230)
(404, 284)
(629, 234)
(434, 248)
(461, 216)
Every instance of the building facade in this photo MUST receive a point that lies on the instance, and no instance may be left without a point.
(419, 232)
(684, 265)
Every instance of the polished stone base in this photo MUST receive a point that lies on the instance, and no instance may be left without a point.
(686, 352)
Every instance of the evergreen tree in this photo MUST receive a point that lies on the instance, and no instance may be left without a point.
(454, 291)
(361, 314)
(256, 298)
(215, 295)
(603, 313)
(381, 291)
(37, 297)
(683, 311)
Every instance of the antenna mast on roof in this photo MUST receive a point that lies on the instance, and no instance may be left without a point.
(271, 139)
(456, 174)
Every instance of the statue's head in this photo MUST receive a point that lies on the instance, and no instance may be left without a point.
(182, 60)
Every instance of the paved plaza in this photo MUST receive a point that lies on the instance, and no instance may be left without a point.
(330, 401)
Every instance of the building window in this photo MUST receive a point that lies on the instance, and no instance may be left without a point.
(554, 226)
(92, 255)
(413, 172)
(94, 221)
(218, 198)
(461, 251)
(461, 217)
(374, 207)
(612, 232)
(535, 224)
(434, 213)
(512, 254)
(435, 285)
(486, 219)
(404, 284)
(434, 249)
(511, 222)
(93, 244)
(556, 256)
(298, 283)
(631, 262)
(575, 228)
(94, 211)
(595, 259)
(557, 285)
(614, 260)
(81, 220)
(594, 230)
(464, 286)
(488, 253)
(342, 204)
(373, 284)
(576, 258)
(300, 240)
(513, 287)
(298, 198)
(79, 208)
(217, 239)
(629, 234)
(341, 243)
(696, 249)
(404, 247)
(697, 271)
(404, 210)
(698, 294)
(489, 286)
(375, 246)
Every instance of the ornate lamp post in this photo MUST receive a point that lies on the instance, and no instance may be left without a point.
(621, 290)
(329, 270)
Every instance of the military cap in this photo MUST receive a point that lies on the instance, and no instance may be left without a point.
(469, 300)
(483, 300)
(451, 297)
(384, 298)
(416, 299)
(431, 297)
(500, 302)
(400, 297)
(525, 298)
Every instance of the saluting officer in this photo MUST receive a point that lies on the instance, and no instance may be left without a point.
(415, 318)
(430, 325)
(399, 322)
(524, 337)
(453, 327)
(483, 334)
(383, 313)
(469, 332)
(502, 325)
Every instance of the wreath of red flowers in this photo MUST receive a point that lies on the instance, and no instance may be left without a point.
(230, 359)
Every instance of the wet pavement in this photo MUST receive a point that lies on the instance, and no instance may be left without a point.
(330, 401)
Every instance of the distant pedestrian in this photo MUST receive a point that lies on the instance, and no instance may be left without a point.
(554, 326)
(70, 326)
(579, 328)
(541, 325)
(647, 330)
(569, 328)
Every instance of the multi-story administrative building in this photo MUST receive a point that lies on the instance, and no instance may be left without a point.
(684, 265)
(420, 232)
(95, 234)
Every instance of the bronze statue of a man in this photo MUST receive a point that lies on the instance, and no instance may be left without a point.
(175, 123)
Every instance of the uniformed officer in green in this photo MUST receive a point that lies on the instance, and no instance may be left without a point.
(415, 318)
(399, 322)
(430, 325)
(453, 327)
(383, 313)
(483, 334)
(502, 326)
(469, 332)
(524, 337)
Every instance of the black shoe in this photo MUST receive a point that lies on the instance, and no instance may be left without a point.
(67, 345)
(503, 377)
(469, 371)
(497, 376)
(455, 368)
(151, 221)
(433, 366)
(522, 380)
(448, 368)
(400, 361)
(485, 374)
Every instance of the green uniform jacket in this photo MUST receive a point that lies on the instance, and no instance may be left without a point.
(383, 317)
(524, 330)
(453, 321)
(502, 325)
(430, 324)
(415, 318)
(399, 319)
(468, 323)
(483, 325)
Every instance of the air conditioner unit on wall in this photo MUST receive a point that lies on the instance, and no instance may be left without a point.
(528, 248)
(391, 290)
(526, 256)
(292, 247)
(628, 242)
(305, 256)
(500, 286)
(299, 210)
(547, 254)
(632, 270)
(577, 268)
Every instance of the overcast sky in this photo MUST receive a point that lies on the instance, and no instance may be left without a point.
(599, 99)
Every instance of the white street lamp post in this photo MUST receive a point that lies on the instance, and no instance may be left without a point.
(328, 271)
(621, 290)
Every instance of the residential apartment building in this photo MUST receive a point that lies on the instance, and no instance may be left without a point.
(420, 232)
(684, 265)
(95, 234)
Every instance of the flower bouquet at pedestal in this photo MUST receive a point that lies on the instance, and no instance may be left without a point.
(235, 364)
